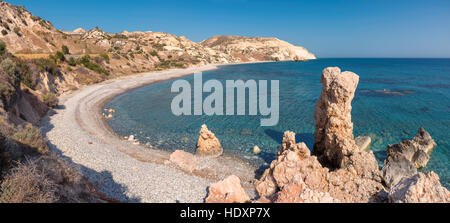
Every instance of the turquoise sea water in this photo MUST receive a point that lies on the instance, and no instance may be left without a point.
(421, 98)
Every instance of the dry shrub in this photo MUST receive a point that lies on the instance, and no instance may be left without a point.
(48, 179)
(27, 184)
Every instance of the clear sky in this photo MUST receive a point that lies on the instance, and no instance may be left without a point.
(328, 28)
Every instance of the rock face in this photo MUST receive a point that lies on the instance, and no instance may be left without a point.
(404, 158)
(208, 144)
(227, 191)
(334, 141)
(247, 49)
(184, 160)
(420, 188)
(397, 167)
(298, 192)
(356, 183)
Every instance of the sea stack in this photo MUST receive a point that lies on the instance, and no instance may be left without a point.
(333, 137)
(208, 144)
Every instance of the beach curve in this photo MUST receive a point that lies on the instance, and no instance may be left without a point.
(77, 131)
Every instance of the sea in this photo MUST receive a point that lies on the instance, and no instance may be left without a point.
(394, 98)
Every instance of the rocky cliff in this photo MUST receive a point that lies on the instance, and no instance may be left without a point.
(248, 49)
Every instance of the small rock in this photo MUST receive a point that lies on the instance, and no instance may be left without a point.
(256, 150)
(227, 191)
(131, 138)
(363, 142)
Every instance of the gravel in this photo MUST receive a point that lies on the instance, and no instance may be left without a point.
(127, 172)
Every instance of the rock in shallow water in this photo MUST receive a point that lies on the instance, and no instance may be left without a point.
(208, 144)
(363, 142)
(333, 136)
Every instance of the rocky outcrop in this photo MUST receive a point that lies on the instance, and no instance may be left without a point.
(298, 192)
(246, 49)
(396, 168)
(420, 188)
(356, 183)
(184, 160)
(227, 191)
(404, 158)
(333, 137)
(416, 150)
(208, 144)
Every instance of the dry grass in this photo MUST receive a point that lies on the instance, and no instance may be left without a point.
(48, 179)
(27, 184)
(32, 56)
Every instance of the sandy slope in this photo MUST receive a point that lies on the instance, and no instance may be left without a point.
(122, 170)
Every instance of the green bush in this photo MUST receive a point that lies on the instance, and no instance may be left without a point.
(71, 61)
(85, 61)
(4, 32)
(2, 48)
(105, 56)
(17, 31)
(9, 67)
(65, 50)
(51, 100)
(47, 65)
(60, 56)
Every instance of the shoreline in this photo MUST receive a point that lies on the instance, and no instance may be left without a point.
(78, 132)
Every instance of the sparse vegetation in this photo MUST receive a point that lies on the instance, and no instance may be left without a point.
(60, 56)
(65, 50)
(47, 65)
(51, 100)
(71, 61)
(4, 32)
(86, 62)
(2, 48)
(17, 31)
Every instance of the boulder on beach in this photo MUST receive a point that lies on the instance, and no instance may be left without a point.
(229, 190)
(420, 188)
(333, 136)
(208, 144)
(184, 160)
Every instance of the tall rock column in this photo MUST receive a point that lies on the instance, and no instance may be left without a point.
(333, 138)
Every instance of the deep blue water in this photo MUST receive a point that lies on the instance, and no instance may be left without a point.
(423, 87)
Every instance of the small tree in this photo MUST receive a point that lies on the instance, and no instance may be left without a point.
(71, 61)
(65, 50)
(60, 56)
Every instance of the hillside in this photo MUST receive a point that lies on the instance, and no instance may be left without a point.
(248, 49)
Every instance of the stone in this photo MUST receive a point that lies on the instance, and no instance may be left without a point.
(397, 167)
(363, 142)
(208, 144)
(357, 183)
(184, 160)
(416, 150)
(229, 190)
(420, 188)
(131, 138)
(256, 150)
(333, 136)
(298, 192)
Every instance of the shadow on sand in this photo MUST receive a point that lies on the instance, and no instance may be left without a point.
(103, 181)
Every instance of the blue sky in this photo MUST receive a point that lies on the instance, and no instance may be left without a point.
(328, 28)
